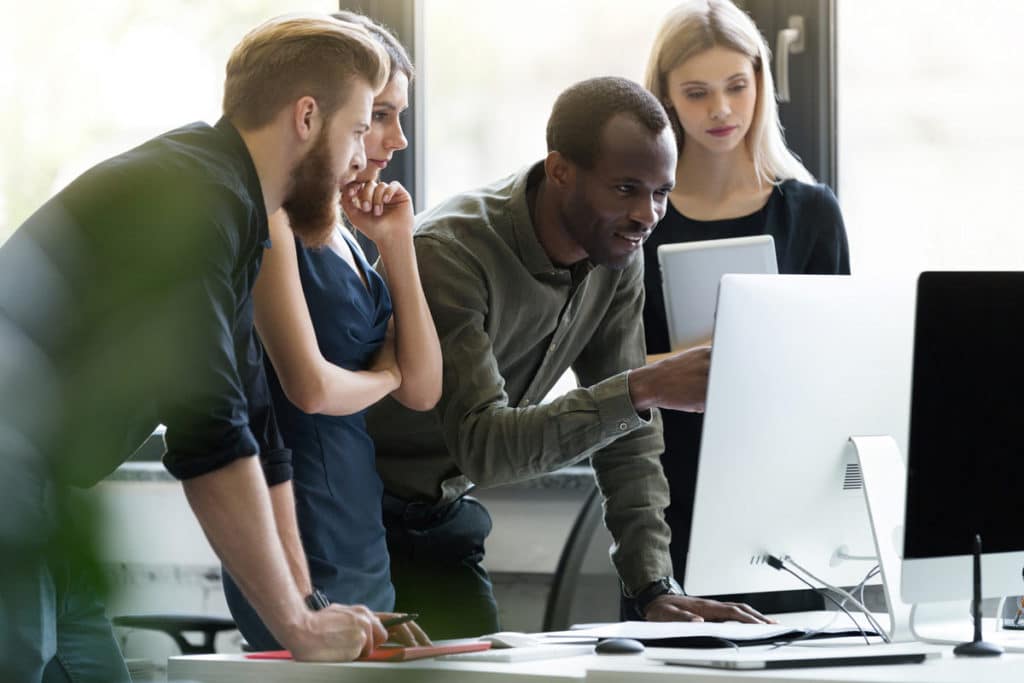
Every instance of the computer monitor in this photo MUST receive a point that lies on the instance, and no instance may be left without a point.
(966, 451)
(799, 364)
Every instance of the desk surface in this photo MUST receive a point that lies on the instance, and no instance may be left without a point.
(588, 668)
(238, 669)
(944, 669)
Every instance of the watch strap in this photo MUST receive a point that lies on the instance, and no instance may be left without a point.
(666, 585)
(317, 600)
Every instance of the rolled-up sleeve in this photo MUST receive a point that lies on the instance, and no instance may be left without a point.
(207, 411)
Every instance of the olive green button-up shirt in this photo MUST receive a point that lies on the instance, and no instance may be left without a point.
(510, 323)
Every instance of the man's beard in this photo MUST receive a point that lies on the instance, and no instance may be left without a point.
(312, 203)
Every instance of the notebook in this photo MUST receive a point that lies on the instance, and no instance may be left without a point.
(707, 634)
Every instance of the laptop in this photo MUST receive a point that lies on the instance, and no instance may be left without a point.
(797, 657)
(690, 273)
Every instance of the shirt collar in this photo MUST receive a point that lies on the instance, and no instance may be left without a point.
(523, 234)
(250, 177)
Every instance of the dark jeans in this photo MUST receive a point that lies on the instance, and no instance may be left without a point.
(53, 628)
(435, 566)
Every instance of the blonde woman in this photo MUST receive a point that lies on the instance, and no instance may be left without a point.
(709, 66)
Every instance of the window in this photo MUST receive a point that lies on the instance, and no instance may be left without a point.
(492, 71)
(930, 145)
(84, 81)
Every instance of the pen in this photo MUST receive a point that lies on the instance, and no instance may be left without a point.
(398, 620)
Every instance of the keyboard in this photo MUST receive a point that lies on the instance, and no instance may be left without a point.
(521, 654)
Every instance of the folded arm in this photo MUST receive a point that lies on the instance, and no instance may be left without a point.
(310, 381)
(389, 223)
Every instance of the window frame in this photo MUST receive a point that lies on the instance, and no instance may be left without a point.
(809, 120)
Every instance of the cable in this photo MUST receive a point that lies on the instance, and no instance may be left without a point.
(814, 632)
(839, 591)
(848, 597)
(871, 574)
(776, 563)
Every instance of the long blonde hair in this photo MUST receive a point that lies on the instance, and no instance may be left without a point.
(699, 25)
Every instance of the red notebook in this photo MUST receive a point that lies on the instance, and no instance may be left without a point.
(391, 653)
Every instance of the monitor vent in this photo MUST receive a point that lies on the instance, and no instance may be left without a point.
(853, 480)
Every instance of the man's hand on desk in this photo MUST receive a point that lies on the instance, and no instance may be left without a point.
(337, 633)
(408, 634)
(684, 608)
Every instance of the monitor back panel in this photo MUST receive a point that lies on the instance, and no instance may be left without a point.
(799, 364)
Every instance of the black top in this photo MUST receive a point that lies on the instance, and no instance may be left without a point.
(810, 238)
(804, 220)
(129, 293)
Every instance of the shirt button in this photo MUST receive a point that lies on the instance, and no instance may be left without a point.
(554, 345)
(623, 426)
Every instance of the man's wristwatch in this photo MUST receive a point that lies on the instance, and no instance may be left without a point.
(666, 585)
(317, 600)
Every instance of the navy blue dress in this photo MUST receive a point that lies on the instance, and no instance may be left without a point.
(337, 489)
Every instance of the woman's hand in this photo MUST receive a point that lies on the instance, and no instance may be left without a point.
(379, 210)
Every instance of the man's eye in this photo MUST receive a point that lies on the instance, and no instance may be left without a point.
(624, 189)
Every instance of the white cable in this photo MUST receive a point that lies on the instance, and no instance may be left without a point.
(874, 571)
(839, 591)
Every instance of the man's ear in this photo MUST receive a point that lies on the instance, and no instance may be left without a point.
(306, 118)
(559, 170)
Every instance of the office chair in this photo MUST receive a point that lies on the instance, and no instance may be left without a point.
(177, 625)
(174, 625)
(558, 610)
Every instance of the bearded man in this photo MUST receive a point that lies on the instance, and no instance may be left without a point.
(127, 303)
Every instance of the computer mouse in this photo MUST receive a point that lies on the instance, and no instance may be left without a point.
(619, 646)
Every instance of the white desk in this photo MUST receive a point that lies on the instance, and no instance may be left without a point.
(947, 669)
(584, 669)
(238, 669)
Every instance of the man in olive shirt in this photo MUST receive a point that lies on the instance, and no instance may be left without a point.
(534, 274)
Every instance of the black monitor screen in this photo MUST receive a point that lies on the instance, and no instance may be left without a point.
(966, 452)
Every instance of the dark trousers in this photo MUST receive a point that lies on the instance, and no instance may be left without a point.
(436, 555)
